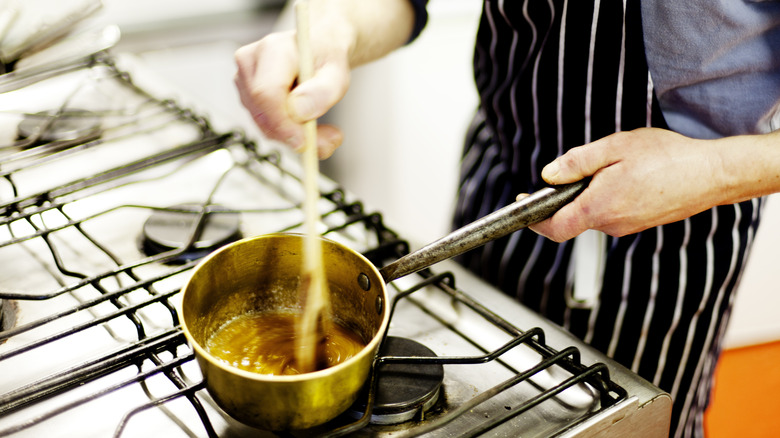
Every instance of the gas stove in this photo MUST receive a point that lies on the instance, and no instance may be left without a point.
(109, 196)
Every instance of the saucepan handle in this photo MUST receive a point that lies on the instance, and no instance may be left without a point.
(535, 208)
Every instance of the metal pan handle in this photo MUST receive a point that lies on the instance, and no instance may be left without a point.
(535, 208)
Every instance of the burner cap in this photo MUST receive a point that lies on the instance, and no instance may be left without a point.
(70, 125)
(166, 230)
(403, 390)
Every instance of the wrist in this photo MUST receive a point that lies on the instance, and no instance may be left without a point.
(749, 166)
(333, 31)
(365, 30)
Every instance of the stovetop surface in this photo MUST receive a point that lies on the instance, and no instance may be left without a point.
(96, 343)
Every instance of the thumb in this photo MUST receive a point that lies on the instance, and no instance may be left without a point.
(576, 164)
(315, 97)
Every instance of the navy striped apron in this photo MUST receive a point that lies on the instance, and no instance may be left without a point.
(554, 74)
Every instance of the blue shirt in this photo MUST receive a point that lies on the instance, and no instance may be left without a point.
(715, 64)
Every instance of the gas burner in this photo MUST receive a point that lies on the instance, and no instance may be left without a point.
(170, 229)
(69, 127)
(404, 391)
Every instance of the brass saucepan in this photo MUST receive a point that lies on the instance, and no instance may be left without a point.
(263, 273)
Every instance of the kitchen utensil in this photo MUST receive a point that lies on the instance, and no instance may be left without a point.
(535, 208)
(263, 273)
(315, 317)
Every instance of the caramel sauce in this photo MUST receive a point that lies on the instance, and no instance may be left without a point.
(265, 343)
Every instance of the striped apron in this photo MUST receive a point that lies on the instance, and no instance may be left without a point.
(554, 74)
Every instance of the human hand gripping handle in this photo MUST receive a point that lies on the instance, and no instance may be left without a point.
(644, 178)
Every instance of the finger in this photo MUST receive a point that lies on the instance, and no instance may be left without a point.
(329, 138)
(565, 224)
(313, 98)
(522, 196)
(266, 72)
(581, 162)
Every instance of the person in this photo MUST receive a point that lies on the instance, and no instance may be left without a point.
(675, 122)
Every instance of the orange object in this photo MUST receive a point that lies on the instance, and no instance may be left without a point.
(746, 397)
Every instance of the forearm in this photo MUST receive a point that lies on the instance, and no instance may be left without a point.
(369, 29)
(749, 166)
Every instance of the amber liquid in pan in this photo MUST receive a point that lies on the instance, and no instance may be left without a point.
(265, 343)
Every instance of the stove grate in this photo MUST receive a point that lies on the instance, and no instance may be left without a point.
(88, 295)
(597, 375)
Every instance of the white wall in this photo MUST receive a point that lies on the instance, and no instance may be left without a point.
(757, 306)
(404, 120)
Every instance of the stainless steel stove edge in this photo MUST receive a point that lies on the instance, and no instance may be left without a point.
(646, 412)
(628, 418)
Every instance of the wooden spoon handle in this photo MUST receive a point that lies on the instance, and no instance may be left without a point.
(316, 310)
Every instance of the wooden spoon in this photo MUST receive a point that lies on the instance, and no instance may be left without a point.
(315, 319)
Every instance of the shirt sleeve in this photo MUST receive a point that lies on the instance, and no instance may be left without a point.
(420, 18)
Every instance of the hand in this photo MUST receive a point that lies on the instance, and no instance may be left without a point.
(641, 179)
(267, 71)
(344, 34)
